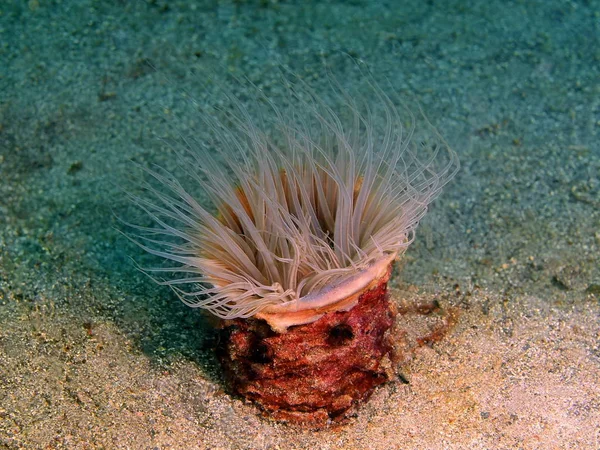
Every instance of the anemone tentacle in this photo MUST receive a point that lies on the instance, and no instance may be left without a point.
(298, 208)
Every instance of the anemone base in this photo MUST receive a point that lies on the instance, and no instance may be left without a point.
(315, 373)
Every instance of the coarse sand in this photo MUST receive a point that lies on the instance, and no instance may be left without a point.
(93, 355)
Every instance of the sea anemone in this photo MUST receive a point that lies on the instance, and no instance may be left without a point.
(309, 205)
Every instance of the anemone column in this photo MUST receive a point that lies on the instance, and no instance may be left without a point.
(317, 372)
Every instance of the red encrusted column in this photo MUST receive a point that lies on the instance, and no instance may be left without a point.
(313, 373)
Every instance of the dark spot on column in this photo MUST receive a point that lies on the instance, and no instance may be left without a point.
(261, 354)
(340, 335)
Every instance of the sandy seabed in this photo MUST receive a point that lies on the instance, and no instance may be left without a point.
(93, 355)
